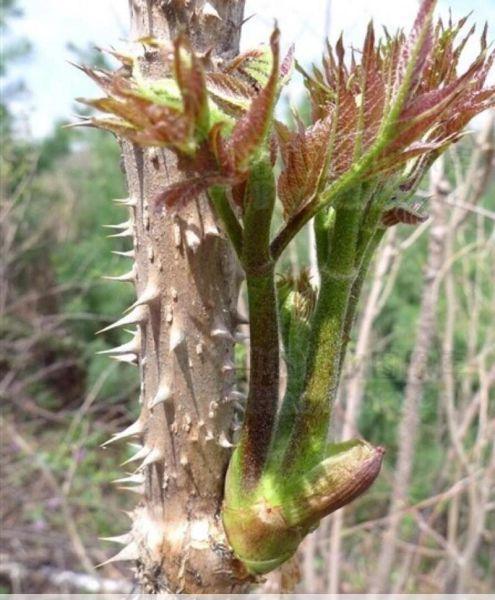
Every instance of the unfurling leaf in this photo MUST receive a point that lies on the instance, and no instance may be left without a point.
(304, 154)
(408, 215)
(297, 295)
(251, 130)
(192, 84)
(181, 193)
(399, 107)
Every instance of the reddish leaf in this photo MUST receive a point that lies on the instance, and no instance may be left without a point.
(250, 131)
(191, 80)
(287, 64)
(418, 46)
(181, 193)
(397, 160)
(231, 94)
(126, 110)
(345, 116)
(372, 100)
(304, 154)
(239, 193)
(408, 215)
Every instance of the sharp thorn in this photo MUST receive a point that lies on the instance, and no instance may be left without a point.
(124, 539)
(121, 226)
(228, 366)
(240, 319)
(211, 11)
(136, 316)
(212, 230)
(163, 394)
(177, 337)
(140, 454)
(135, 429)
(130, 359)
(137, 489)
(149, 295)
(193, 240)
(221, 331)
(130, 514)
(156, 455)
(128, 254)
(130, 552)
(222, 334)
(224, 442)
(129, 276)
(126, 233)
(137, 478)
(131, 347)
(125, 201)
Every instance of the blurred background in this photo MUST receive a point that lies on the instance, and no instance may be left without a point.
(420, 376)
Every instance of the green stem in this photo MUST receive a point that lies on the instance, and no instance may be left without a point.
(323, 223)
(308, 440)
(355, 292)
(223, 209)
(262, 401)
(296, 349)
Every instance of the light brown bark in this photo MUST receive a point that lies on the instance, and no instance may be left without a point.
(187, 279)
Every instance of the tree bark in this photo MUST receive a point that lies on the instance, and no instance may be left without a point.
(186, 280)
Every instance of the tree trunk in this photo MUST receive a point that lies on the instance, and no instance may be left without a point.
(186, 280)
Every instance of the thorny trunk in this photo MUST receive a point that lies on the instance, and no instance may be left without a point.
(187, 283)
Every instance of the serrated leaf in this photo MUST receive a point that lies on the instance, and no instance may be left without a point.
(416, 52)
(179, 194)
(408, 215)
(191, 81)
(250, 131)
(304, 154)
(230, 94)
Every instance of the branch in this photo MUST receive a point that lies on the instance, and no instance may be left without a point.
(223, 209)
(262, 398)
(308, 438)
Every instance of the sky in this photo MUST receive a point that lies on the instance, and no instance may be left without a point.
(51, 24)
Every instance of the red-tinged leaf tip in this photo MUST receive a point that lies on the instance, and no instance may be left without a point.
(339, 49)
(369, 41)
(304, 154)
(287, 65)
(192, 83)
(484, 37)
(250, 131)
(177, 195)
(408, 215)
(463, 21)
(420, 41)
